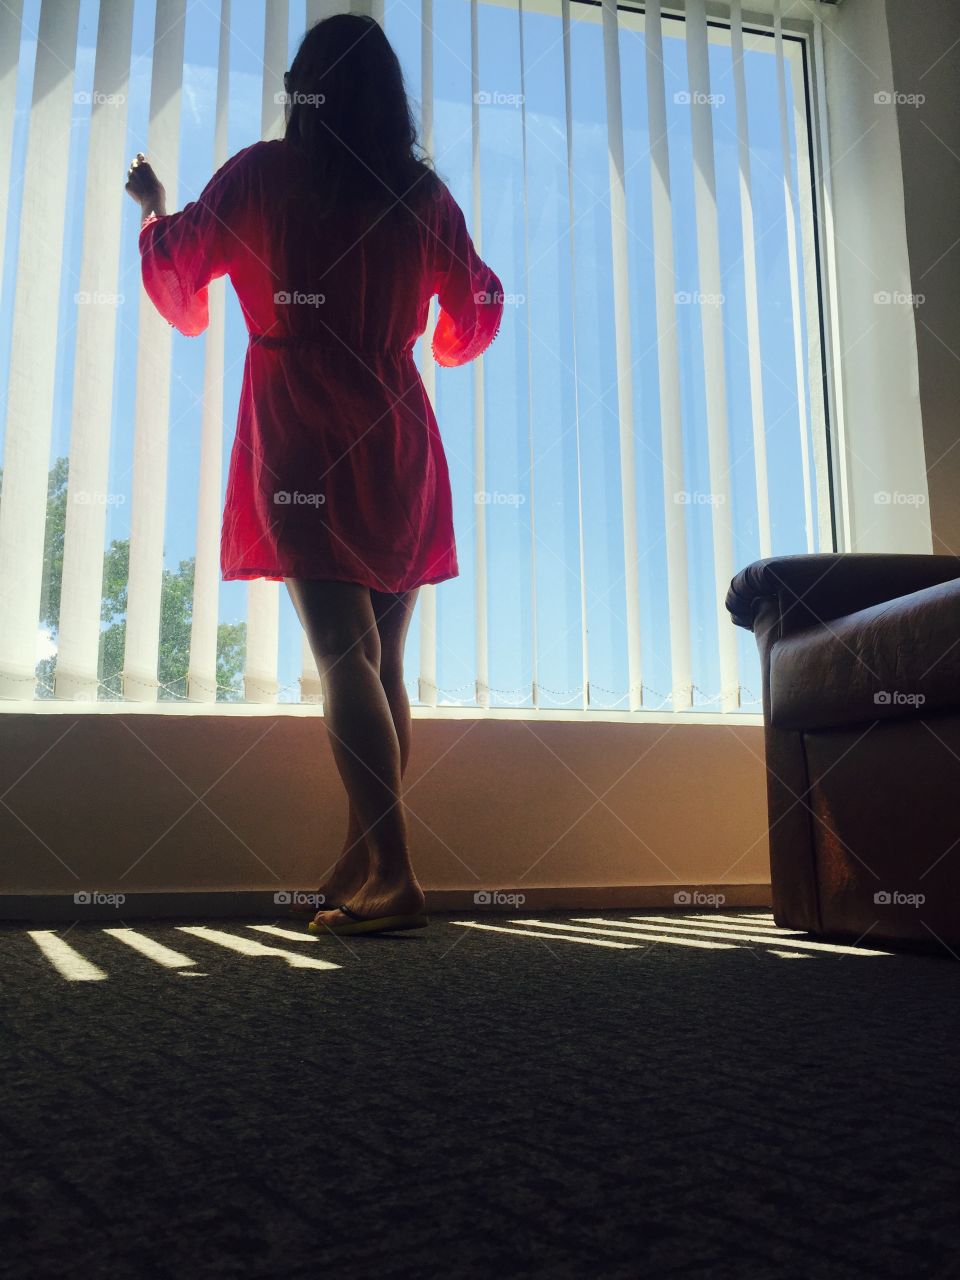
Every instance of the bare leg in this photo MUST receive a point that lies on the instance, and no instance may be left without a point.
(393, 614)
(342, 629)
(350, 870)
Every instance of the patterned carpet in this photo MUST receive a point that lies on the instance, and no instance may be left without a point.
(641, 1097)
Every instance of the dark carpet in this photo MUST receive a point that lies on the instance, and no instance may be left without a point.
(476, 1103)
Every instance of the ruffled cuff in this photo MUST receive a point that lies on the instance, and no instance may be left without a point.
(185, 309)
(457, 341)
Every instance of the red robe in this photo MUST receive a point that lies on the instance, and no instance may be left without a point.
(337, 471)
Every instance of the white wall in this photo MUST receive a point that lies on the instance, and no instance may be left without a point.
(884, 446)
(925, 51)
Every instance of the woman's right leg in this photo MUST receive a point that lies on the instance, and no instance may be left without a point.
(342, 629)
(392, 613)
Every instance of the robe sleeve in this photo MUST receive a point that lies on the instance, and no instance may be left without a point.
(471, 296)
(180, 253)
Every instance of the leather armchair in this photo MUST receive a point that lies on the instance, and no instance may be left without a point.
(860, 658)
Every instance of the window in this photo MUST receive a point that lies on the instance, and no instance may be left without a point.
(651, 417)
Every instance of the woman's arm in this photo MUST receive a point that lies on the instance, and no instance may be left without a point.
(470, 294)
(182, 252)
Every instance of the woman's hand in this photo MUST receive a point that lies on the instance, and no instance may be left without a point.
(145, 187)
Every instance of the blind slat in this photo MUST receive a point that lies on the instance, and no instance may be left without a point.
(317, 10)
(571, 225)
(202, 671)
(754, 345)
(479, 425)
(311, 689)
(534, 620)
(105, 204)
(276, 22)
(668, 368)
(260, 679)
(712, 329)
(10, 20)
(154, 348)
(622, 334)
(33, 356)
(370, 9)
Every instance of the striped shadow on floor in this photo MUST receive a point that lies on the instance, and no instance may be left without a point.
(754, 932)
(70, 963)
(711, 933)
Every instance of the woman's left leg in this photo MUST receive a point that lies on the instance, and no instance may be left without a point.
(342, 629)
(392, 612)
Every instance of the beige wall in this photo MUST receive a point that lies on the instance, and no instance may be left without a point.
(144, 802)
(925, 52)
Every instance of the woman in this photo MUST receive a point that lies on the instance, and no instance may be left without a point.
(335, 238)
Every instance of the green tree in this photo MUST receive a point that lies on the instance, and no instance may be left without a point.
(176, 612)
(53, 543)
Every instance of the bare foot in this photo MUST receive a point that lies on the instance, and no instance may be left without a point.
(377, 898)
(345, 880)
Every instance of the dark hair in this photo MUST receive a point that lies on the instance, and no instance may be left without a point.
(350, 113)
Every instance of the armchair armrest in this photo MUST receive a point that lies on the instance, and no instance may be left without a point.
(808, 589)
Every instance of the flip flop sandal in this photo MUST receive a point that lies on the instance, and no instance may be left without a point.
(357, 924)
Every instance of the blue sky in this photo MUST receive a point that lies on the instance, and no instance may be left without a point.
(549, 301)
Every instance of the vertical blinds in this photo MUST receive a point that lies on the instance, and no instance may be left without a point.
(702, 170)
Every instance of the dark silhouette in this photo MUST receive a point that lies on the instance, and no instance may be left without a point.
(348, 109)
(335, 238)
